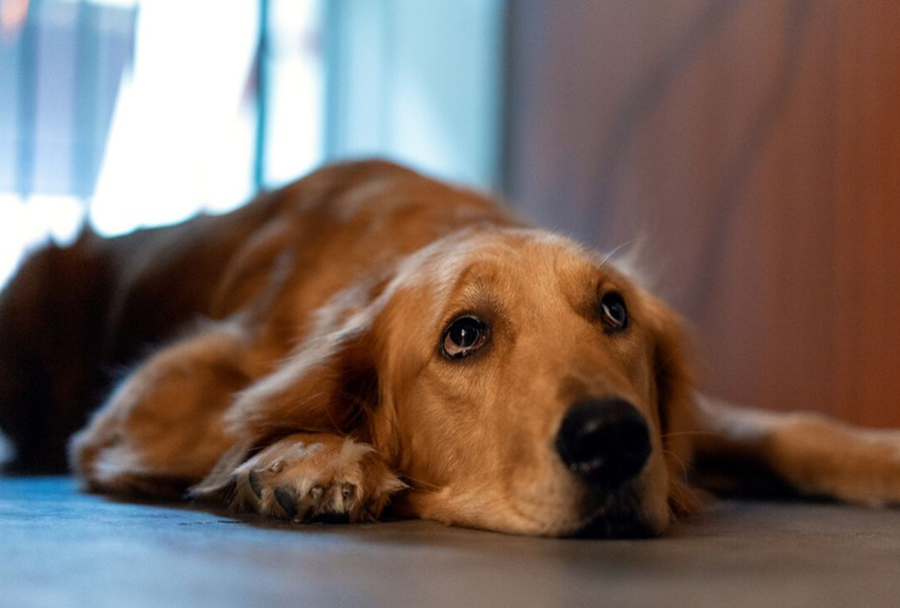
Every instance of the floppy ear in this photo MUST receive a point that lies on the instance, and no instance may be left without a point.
(675, 399)
(327, 385)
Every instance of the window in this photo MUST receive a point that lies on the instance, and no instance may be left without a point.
(130, 113)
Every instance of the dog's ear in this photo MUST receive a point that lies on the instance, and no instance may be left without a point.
(329, 384)
(676, 398)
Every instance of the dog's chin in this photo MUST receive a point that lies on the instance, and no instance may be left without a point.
(618, 526)
(623, 516)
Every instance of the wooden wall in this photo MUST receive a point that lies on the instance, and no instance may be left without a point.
(752, 149)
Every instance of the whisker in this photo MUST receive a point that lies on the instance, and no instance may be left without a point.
(616, 250)
(686, 433)
(679, 461)
(421, 482)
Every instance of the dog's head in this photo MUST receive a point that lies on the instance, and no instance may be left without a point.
(527, 386)
(516, 380)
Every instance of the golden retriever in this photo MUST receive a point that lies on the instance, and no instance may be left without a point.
(368, 337)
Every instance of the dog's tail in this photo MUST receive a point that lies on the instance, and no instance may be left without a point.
(50, 313)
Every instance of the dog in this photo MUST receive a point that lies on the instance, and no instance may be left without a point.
(368, 342)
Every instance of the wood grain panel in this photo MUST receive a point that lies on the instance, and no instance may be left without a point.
(752, 149)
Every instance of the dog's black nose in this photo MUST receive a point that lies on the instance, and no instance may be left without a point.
(605, 442)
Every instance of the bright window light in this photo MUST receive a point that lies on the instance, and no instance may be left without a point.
(167, 95)
(133, 113)
(183, 129)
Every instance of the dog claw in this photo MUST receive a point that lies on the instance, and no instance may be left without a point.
(255, 484)
(348, 490)
(287, 500)
(286, 483)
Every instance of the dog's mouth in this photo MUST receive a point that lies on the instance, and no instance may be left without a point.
(617, 525)
(621, 516)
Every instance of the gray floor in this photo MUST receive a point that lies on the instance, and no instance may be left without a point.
(60, 548)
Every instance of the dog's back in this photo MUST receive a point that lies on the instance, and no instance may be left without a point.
(76, 317)
(73, 317)
(50, 314)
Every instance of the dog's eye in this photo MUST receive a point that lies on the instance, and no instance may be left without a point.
(464, 336)
(613, 312)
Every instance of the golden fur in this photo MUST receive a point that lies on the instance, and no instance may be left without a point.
(290, 359)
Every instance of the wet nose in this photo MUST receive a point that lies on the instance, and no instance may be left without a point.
(605, 442)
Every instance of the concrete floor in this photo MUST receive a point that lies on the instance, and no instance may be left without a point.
(60, 548)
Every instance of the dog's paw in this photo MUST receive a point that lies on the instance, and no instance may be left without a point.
(316, 478)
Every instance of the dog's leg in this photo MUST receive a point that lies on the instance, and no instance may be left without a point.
(300, 453)
(307, 477)
(806, 453)
(162, 430)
